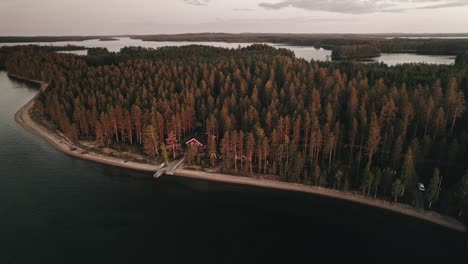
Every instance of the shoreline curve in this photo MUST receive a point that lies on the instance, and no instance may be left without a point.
(62, 144)
(428, 216)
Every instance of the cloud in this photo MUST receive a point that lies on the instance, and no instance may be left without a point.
(197, 2)
(294, 20)
(364, 6)
(446, 4)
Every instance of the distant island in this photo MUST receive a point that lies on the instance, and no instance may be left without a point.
(259, 112)
(21, 39)
(355, 52)
(429, 44)
(426, 44)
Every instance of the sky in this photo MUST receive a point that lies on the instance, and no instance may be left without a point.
(113, 17)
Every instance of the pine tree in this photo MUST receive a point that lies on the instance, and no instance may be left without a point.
(151, 141)
(407, 170)
(373, 140)
(338, 178)
(191, 154)
(455, 101)
(377, 180)
(352, 138)
(234, 148)
(397, 189)
(397, 150)
(172, 144)
(212, 149)
(164, 153)
(439, 121)
(265, 151)
(240, 149)
(367, 182)
(431, 192)
(250, 147)
(428, 111)
(99, 134)
(226, 150)
(462, 194)
(317, 174)
(138, 121)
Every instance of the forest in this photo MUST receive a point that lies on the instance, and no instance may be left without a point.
(462, 60)
(347, 52)
(367, 128)
(6, 50)
(393, 43)
(429, 44)
(18, 39)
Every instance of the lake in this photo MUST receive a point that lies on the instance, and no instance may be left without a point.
(58, 209)
(307, 53)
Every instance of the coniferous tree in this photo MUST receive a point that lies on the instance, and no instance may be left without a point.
(172, 144)
(151, 141)
(212, 149)
(250, 146)
(431, 192)
(397, 189)
(373, 140)
(462, 194)
(407, 170)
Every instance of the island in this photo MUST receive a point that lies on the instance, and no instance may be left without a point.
(367, 133)
(429, 44)
(355, 52)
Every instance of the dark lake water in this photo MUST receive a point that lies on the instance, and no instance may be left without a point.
(58, 209)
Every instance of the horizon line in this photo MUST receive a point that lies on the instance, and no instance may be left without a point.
(240, 33)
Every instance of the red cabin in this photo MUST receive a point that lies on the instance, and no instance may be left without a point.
(200, 139)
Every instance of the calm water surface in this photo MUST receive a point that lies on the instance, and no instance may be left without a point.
(393, 59)
(58, 209)
(307, 53)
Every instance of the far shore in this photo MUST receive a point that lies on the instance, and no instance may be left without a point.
(61, 143)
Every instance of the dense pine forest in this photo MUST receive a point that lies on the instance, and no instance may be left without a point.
(355, 52)
(462, 60)
(392, 43)
(17, 39)
(370, 128)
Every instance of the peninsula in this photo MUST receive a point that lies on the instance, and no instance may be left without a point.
(276, 147)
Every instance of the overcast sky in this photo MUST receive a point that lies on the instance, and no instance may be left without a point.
(94, 17)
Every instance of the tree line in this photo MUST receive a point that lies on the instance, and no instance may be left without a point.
(393, 44)
(355, 51)
(462, 60)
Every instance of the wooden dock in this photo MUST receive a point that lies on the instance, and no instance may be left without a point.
(168, 170)
(159, 173)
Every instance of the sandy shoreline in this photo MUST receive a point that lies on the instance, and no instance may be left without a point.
(429, 216)
(61, 143)
(23, 118)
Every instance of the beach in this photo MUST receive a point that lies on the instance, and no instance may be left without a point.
(61, 143)
(429, 216)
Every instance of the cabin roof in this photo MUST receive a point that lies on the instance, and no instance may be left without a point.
(200, 136)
